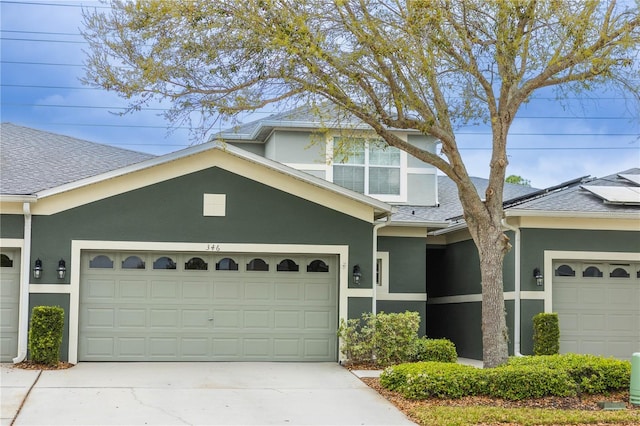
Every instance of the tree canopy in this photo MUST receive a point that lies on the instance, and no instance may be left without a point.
(426, 65)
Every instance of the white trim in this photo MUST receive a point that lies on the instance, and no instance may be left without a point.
(307, 166)
(514, 212)
(421, 171)
(50, 288)
(552, 255)
(404, 297)
(23, 305)
(18, 198)
(77, 246)
(477, 297)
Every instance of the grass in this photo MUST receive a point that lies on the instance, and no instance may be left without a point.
(459, 416)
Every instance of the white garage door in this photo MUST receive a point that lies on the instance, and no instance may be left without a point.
(598, 306)
(206, 307)
(9, 299)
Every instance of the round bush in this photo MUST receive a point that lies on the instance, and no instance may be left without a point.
(438, 350)
(432, 379)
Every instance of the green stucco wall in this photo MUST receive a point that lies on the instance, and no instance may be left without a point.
(172, 211)
(11, 226)
(407, 269)
(462, 324)
(62, 300)
(536, 241)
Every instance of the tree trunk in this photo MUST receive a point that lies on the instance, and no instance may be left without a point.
(492, 246)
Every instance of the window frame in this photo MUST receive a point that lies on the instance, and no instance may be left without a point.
(403, 168)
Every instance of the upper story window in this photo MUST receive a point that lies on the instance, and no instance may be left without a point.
(369, 168)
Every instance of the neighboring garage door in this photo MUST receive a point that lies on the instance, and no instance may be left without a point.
(207, 307)
(9, 303)
(598, 306)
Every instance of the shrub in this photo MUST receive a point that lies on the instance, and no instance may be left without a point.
(526, 381)
(394, 336)
(45, 334)
(592, 374)
(546, 334)
(439, 350)
(432, 379)
(386, 338)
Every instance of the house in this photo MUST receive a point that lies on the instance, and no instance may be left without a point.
(252, 247)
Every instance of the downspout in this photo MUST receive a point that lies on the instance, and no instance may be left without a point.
(374, 301)
(25, 274)
(517, 298)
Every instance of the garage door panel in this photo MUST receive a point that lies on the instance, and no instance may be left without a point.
(287, 291)
(101, 317)
(208, 315)
(287, 319)
(164, 318)
(132, 318)
(195, 318)
(196, 290)
(135, 290)
(101, 289)
(286, 347)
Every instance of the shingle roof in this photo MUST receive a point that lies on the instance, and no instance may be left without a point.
(576, 199)
(449, 204)
(33, 160)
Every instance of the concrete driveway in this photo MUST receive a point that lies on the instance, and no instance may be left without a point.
(193, 393)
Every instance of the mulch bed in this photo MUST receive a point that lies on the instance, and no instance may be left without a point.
(586, 402)
(30, 365)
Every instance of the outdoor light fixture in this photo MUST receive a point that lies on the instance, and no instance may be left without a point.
(538, 276)
(357, 275)
(37, 269)
(62, 269)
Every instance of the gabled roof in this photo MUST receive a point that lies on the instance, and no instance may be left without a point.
(16, 138)
(33, 160)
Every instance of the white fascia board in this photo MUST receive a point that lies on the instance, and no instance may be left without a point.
(18, 198)
(238, 152)
(425, 224)
(451, 228)
(580, 214)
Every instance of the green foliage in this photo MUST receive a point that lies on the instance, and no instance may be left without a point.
(591, 374)
(45, 334)
(522, 382)
(518, 180)
(438, 350)
(386, 338)
(432, 379)
(521, 378)
(546, 334)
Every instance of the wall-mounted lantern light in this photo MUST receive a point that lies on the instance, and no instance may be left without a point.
(37, 269)
(62, 269)
(357, 275)
(538, 276)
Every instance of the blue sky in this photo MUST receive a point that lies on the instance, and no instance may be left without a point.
(41, 61)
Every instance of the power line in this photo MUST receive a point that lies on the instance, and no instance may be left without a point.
(269, 112)
(25, 3)
(40, 32)
(40, 63)
(42, 40)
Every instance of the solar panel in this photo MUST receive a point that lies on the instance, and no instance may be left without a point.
(616, 194)
(631, 178)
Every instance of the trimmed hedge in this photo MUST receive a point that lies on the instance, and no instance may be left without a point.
(592, 374)
(438, 350)
(546, 334)
(45, 334)
(432, 379)
(521, 378)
